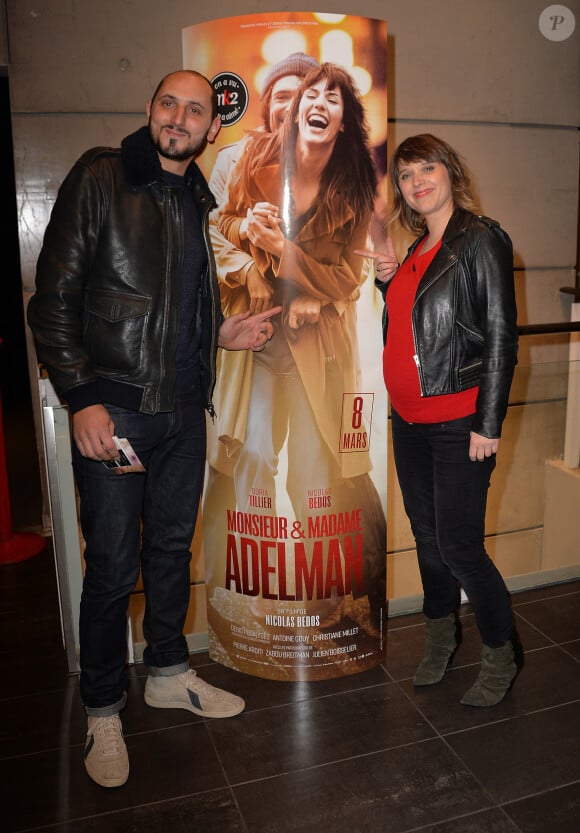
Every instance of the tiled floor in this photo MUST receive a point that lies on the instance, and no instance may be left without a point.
(363, 754)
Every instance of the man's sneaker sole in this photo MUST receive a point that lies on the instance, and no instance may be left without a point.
(109, 783)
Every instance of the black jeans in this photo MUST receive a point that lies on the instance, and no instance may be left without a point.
(445, 497)
(139, 521)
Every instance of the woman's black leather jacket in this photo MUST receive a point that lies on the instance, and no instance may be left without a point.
(108, 282)
(464, 318)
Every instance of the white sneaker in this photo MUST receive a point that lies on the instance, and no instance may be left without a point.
(188, 691)
(106, 759)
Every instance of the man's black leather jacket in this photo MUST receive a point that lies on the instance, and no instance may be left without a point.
(464, 318)
(108, 282)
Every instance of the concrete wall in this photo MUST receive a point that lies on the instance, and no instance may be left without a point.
(479, 73)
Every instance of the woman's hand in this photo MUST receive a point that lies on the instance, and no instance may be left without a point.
(264, 211)
(481, 447)
(261, 212)
(262, 228)
(304, 309)
(386, 263)
(244, 331)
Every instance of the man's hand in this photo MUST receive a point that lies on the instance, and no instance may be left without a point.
(93, 431)
(481, 447)
(247, 332)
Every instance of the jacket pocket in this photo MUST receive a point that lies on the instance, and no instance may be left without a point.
(468, 375)
(114, 329)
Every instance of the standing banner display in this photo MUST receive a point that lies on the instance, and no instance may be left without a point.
(293, 512)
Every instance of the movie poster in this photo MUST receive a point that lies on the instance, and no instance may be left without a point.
(293, 512)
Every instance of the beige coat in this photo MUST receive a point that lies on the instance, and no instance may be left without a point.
(319, 262)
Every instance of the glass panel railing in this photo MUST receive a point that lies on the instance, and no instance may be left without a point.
(533, 523)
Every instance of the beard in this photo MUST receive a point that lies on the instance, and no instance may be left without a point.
(169, 149)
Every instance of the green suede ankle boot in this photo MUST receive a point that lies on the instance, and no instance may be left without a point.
(441, 642)
(498, 671)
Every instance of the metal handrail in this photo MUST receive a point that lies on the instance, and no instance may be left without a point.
(541, 329)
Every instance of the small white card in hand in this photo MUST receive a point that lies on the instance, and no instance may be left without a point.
(128, 460)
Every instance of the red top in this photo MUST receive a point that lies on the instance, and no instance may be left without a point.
(399, 367)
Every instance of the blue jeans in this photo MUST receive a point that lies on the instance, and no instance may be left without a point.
(139, 521)
(445, 497)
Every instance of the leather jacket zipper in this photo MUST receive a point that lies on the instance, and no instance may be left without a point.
(211, 271)
(452, 259)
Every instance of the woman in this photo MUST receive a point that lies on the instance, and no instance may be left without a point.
(450, 351)
(300, 202)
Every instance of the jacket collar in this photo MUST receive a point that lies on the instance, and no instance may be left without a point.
(141, 165)
(458, 223)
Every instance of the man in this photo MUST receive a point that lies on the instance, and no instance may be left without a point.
(127, 320)
(280, 83)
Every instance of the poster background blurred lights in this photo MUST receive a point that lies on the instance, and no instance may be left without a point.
(357, 43)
